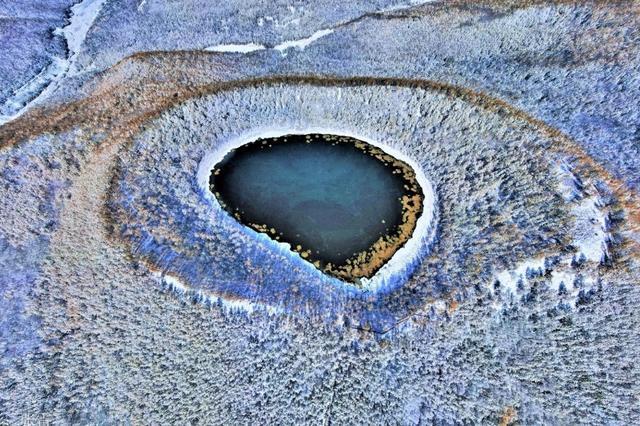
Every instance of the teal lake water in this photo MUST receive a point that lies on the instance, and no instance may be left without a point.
(326, 195)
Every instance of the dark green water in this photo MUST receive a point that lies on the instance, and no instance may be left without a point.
(323, 193)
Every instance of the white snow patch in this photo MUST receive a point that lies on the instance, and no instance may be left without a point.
(562, 275)
(295, 21)
(440, 306)
(236, 48)
(558, 277)
(181, 288)
(589, 232)
(567, 182)
(264, 19)
(83, 16)
(401, 6)
(509, 279)
(302, 43)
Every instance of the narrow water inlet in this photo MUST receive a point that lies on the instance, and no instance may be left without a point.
(344, 205)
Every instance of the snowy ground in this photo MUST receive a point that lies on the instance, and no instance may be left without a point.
(125, 298)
